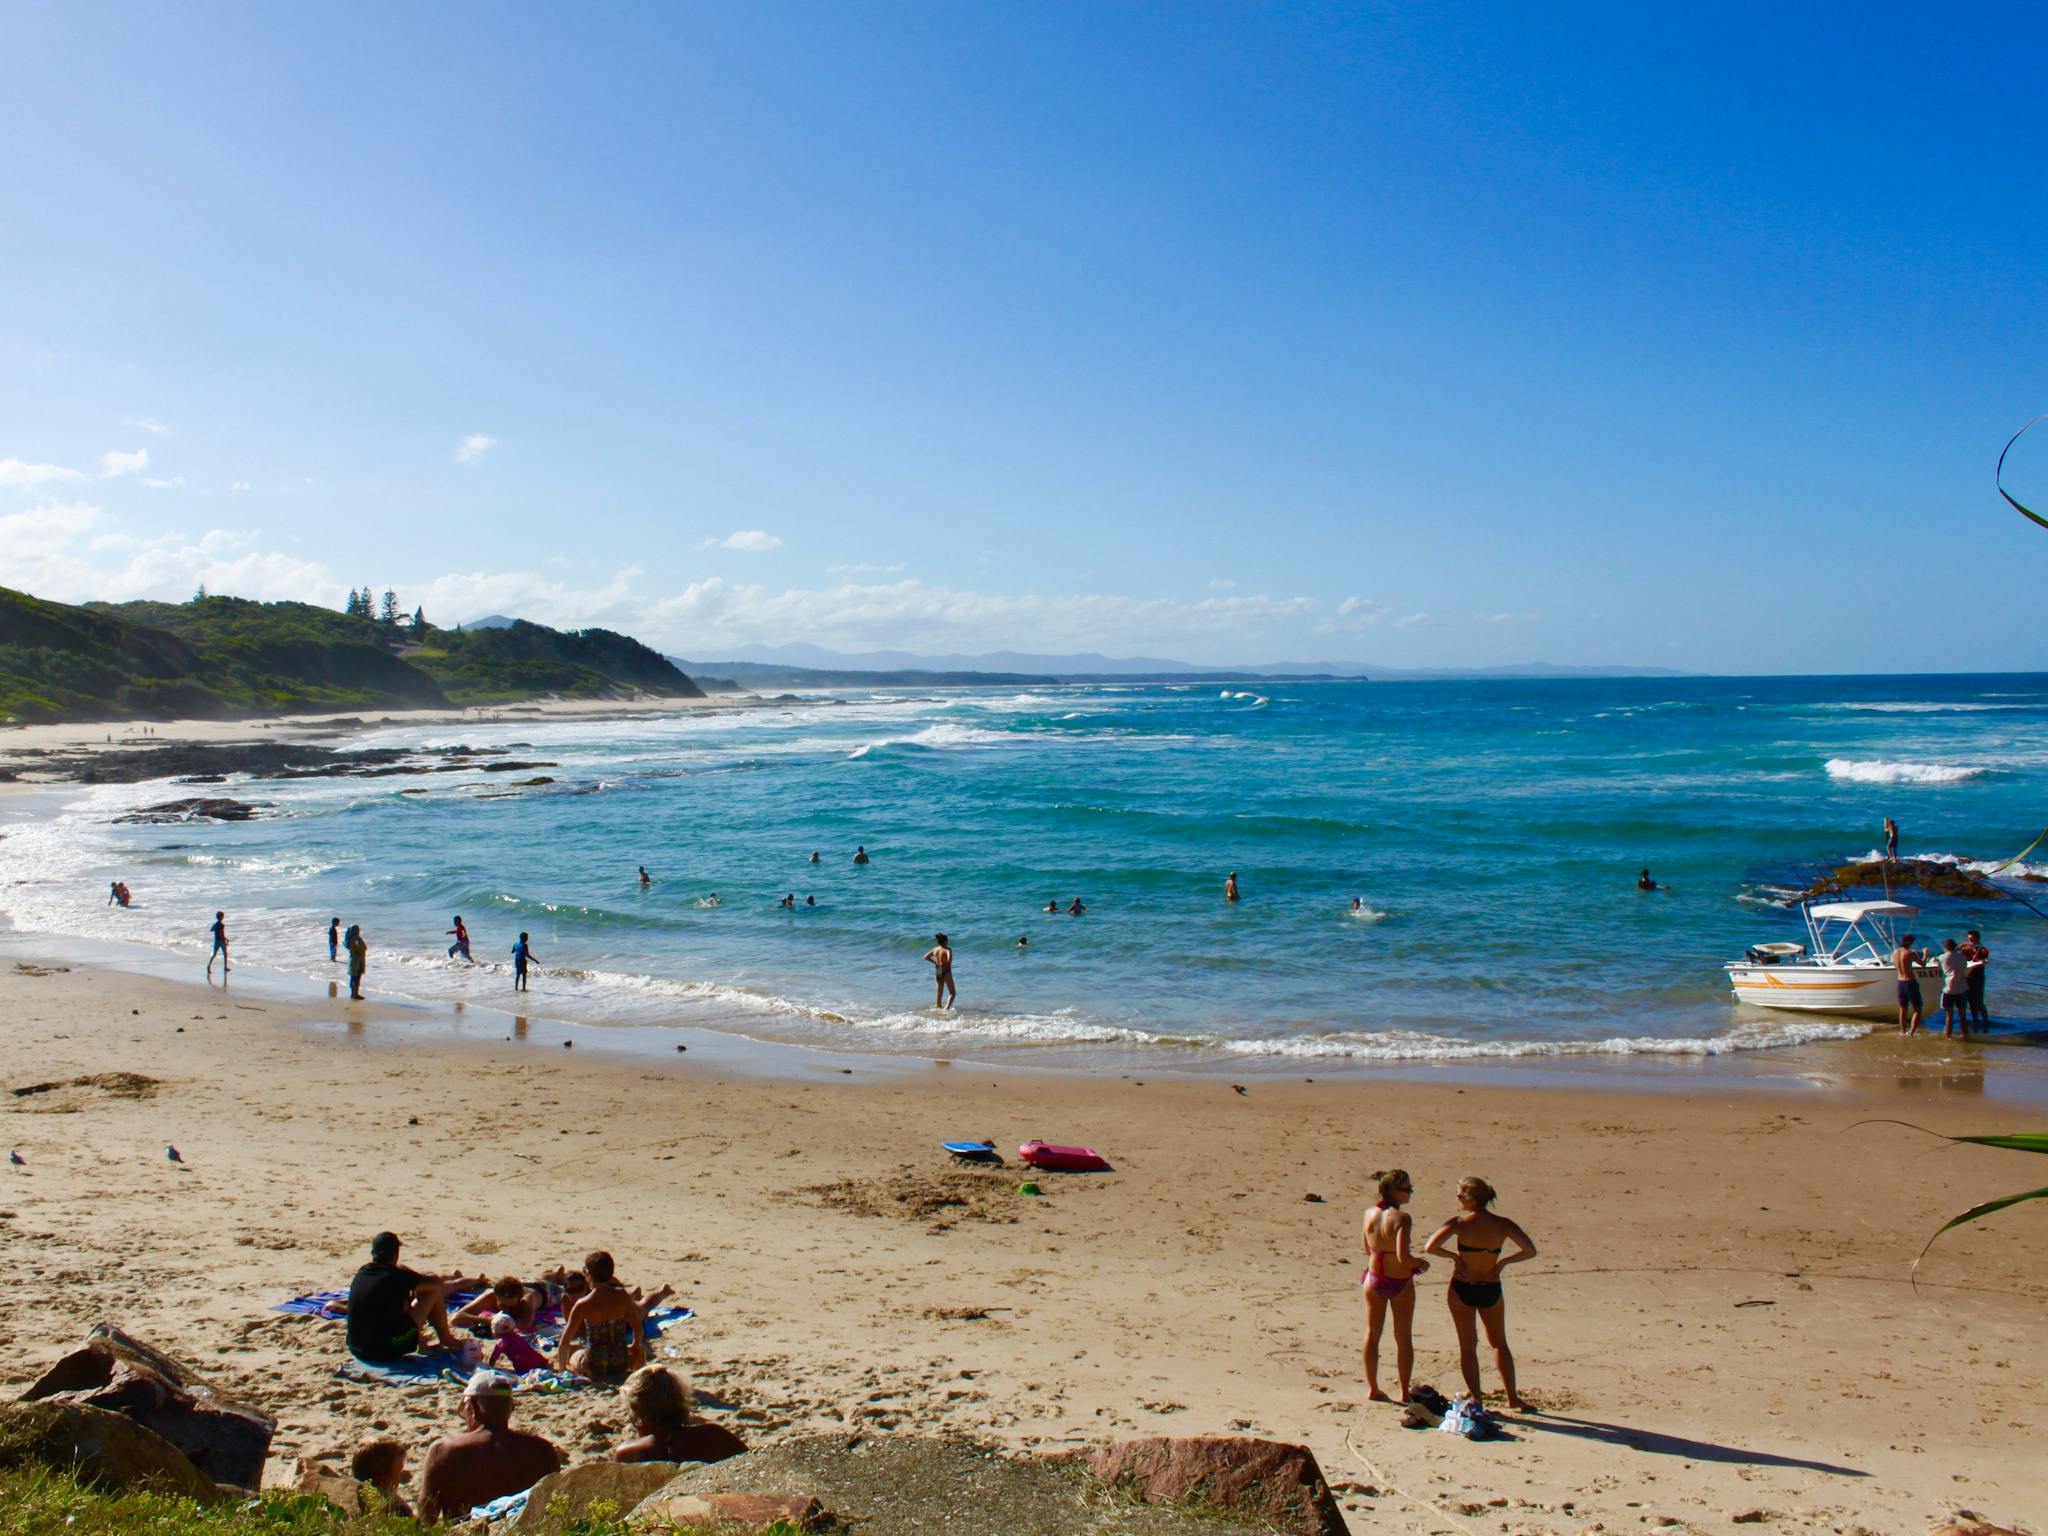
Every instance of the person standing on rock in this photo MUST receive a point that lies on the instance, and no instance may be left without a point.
(220, 945)
(1891, 841)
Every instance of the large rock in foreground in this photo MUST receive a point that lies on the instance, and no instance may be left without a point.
(226, 1439)
(565, 1495)
(104, 1449)
(731, 1511)
(1274, 1482)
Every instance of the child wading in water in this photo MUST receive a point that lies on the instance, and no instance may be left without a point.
(1388, 1281)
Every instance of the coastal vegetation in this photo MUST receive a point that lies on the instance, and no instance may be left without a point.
(216, 657)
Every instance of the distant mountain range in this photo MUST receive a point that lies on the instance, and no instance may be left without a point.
(801, 665)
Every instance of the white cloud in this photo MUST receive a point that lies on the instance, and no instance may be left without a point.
(158, 483)
(864, 568)
(148, 424)
(1356, 614)
(1508, 618)
(472, 448)
(24, 476)
(751, 539)
(116, 462)
(54, 550)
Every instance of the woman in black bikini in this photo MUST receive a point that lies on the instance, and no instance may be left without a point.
(1475, 1294)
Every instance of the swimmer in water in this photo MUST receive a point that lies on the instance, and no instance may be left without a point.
(941, 957)
(860, 854)
(810, 901)
(1230, 887)
(1077, 908)
(1644, 882)
(1023, 941)
(645, 878)
(815, 858)
(788, 903)
(1053, 905)
(712, 900)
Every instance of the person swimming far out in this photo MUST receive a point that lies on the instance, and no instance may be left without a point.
(645, 878)
(810, 901)
(860, 854)
(1077, 908)
(816, 857)
(788, 903)
(1023, 941)
(1644, 882)
(1230, 887)
(1053, 905)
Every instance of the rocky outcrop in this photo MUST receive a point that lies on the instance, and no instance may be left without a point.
(563, 1496)
(1272, 1481)
(1905, 874)
(197, 809)
(225, 1439)
(97, 1446)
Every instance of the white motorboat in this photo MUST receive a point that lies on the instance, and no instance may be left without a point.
(1846, 967)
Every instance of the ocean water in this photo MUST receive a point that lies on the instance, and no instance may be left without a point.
(1491, 831)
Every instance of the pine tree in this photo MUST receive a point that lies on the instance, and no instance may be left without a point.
(389, 613)
(199, 596)
(419, 618)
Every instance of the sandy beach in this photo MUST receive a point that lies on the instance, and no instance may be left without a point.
(19, 744)
(1721, 1321)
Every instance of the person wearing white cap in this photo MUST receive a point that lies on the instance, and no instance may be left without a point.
(488, 1460)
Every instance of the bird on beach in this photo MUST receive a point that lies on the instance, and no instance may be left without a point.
(1238, 1088)
(173, 1154)
(16, 1158)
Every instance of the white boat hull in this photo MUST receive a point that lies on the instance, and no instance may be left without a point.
(1809, 988)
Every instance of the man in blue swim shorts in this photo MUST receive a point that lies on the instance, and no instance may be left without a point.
(1911, 1004)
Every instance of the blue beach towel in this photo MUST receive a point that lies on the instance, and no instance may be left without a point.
(440, 1365)
(313, 1305)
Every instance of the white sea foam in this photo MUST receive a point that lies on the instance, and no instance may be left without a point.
(943, 736)
(1368, 914)
(1882, 771)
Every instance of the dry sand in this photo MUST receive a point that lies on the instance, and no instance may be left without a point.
(1720, 1322)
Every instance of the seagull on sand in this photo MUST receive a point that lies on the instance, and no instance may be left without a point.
(16, 1158)
(172, 1154)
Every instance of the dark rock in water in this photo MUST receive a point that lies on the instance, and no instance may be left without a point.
(531, 783)
(99, 1447)
(1905, 874)
(191, 810)
(204, 778)
(622, 1485)
(224, 1438)
(1273, 1481)
(515, 767)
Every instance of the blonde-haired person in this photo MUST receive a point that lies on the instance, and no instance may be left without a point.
(658, 1402)
(1390, 1269)
(1475, 1295)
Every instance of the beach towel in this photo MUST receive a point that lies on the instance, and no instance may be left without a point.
(314, 1305)
(501, 1509)
(440, 1365)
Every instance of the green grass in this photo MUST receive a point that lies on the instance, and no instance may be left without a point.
(35, 1501)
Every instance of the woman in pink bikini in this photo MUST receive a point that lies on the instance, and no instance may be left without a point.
(1390, 1270)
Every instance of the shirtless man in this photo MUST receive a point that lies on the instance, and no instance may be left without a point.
(1230, 887)
(860, 854)
(1911, 1003)
(941, 957)
(488, 1460)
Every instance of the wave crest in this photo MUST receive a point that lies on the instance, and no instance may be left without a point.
(1883, 771)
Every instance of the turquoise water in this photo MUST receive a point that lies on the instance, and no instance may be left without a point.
(1492, 832)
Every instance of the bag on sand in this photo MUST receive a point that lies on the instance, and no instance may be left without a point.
(1467, 1418)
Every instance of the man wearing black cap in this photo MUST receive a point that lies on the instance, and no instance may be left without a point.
(488, 1460)
(390, 1306)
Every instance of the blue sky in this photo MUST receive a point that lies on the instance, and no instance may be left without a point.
(1419, 335)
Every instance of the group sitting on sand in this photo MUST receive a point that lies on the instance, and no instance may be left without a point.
(487, 1459)
(394, 1311)
(1475, 1295)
